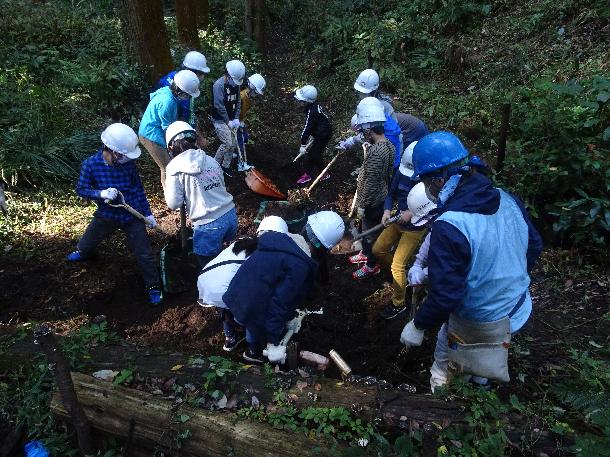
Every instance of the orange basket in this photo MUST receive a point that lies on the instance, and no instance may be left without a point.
(259, 183)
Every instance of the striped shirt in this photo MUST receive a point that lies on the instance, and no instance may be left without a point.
(375, 174)
(96, 175)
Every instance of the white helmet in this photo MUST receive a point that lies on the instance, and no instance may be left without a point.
(328, 227)
(370, 112)
(236, 70)
(307, 94)
(419, 204)
(175, 129)
(257, 82)
(194, 60)
(188, 82)
(354, 122)
(121, 138)
(273, 224)
(367, 81)
(406, 161)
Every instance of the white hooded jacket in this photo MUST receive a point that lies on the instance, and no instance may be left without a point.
(196, 179)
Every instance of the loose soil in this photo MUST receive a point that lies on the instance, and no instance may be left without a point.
(44, 287)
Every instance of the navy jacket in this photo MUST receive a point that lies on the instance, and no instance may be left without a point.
(449, 258)
(400, 186)
(317, 123)
(269, 286)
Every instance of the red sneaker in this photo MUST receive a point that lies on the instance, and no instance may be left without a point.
(305, 178)
(357, 259)
(366, 272)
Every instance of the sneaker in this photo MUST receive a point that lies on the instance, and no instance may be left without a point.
(227, 171)
(357, 259)
(391, 311)
(325, 177)
(231, 343)
(252, 357)
(76, 256)
(201, 303)
(305, 178)
(365, 272)
(155, 297)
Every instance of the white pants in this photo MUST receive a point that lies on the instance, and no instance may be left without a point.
(228, 144)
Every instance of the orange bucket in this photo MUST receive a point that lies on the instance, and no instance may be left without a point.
(259, 183)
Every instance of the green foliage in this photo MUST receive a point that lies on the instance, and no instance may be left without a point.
(76, 345)
(63, 75)
(559, 161)
(221, 374)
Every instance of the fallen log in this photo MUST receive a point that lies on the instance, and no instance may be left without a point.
(112, 409)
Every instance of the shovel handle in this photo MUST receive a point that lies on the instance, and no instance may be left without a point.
(390, 221)
(323, 172)
(135, 213)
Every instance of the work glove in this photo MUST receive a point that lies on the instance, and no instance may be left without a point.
(294, 325)
(233, 124)
(150, 221)
(386, 215)
(341, 145)
(242, 124)
(417, 275)
(109, 194)
(302, 149)
(411, 336)
(360, 213)
(276, 354)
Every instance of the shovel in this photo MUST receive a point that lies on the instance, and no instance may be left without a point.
(133, 212)
(346, 245)
(307, 146)
(242, 160)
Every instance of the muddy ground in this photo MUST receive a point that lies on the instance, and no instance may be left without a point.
(44, 287)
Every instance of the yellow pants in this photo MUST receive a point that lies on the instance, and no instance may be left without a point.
(394, 249)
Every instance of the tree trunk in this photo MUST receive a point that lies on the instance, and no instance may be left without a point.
(154, 422)
(248, 13)
(203, 13)
(145, 35)
(259, 25)
(186, 20)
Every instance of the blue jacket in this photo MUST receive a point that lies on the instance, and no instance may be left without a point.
(400, 186)
(482, 248)
(392, 133)
(269, 286)
(184, 106)
(161, 111)
(413, 128)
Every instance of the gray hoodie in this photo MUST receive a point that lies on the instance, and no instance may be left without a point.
(196, 179)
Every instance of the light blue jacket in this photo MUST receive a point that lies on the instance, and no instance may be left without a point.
(161, 111)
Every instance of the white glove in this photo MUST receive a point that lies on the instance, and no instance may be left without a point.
(417, 275)
(294, 325)
(242, 124)
(233, 124)
(411, 336)
(276, 354)
(360, 213)
(109, 194)
(341, 145)
(150, 221)
(302, 149)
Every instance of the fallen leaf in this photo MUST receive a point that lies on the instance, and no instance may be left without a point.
(105, 375)
(176, 367)
(301, 385)
(318, 386)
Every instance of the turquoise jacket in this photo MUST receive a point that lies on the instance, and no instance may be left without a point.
(161, 111)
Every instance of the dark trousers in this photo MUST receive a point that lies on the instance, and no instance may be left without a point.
(372, 217)
(101, 228)
(314, 164)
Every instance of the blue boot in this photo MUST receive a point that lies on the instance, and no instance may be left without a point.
(155, 297)
(76, 256)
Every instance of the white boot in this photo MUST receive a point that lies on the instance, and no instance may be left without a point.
(438, 375)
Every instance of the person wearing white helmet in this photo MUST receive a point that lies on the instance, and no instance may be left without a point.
(225, 111)
(197, 63)
(318, 126)
(323, 231)
(161, 111)
(372, 185)
(105, 174)
(255, 87)
(196, 180)
(267, 289)
(367, 85)
(398, 242)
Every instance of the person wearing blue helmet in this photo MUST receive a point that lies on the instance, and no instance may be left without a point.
(483, 247)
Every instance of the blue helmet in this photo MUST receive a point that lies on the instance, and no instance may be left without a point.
(435, 151)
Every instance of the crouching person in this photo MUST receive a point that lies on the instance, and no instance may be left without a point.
(103, 175)
(267, 289)
(482, 248)
(195, 179)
